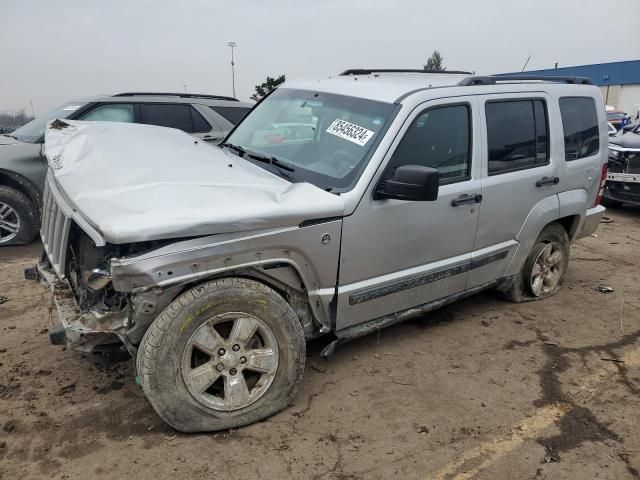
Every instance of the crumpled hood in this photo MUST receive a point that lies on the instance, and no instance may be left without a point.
(627, 140)
(139, 182)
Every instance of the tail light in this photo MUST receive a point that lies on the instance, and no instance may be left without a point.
(603, 180)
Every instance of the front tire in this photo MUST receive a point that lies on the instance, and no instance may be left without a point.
(226, 353)
(18, 217)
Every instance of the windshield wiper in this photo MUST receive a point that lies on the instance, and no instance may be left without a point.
(241, 151)
(10, 136)
(272, 161)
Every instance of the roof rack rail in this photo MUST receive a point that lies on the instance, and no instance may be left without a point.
(181, 95)
(493, 79)
(369, 71)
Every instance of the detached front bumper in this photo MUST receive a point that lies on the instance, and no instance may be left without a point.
(67, 324)
(591, 221)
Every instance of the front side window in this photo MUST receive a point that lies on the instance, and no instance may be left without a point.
(113, 112)
(439, 138)
(580, 125)
(516, 135)
(322, 138)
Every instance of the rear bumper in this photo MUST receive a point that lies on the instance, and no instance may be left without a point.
(67, 324)
(591, 221)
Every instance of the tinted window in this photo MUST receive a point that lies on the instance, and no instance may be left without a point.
(233, 114)
(200, 125)
(439, 138)
(580, 124)
(113, 112)
(516, 135)
(167, 115)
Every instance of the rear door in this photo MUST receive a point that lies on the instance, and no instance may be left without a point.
(519, 177)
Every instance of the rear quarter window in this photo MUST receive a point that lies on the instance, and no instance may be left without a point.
(233, 114)
(580, 125)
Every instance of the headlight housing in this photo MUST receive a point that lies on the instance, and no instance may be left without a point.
(96, 279)
(615, 154)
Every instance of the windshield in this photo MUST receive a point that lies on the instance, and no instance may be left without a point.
(324, 139)
(33, 131)
(615, 116)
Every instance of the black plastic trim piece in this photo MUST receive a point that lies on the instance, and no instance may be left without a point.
(318, 221)
(181, 95)
(424, 279)
(360, 330)
(487, 259)
(369, 71)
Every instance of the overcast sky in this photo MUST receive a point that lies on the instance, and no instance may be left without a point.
(55, 51)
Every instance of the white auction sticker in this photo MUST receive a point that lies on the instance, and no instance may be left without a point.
(350, 131)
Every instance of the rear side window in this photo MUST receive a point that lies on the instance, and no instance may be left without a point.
(517, 135)
(439, 138)
(178, 116)
(233, 114)
(580, 124)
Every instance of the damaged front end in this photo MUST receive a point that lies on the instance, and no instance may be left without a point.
(91, 313)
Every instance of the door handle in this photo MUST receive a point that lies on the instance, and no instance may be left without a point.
(545, 181)
(466, 199)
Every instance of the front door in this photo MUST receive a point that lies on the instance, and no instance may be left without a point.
(399, 254)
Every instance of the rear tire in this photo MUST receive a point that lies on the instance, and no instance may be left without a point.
(18, 217)
(544, 267)
(201, 374)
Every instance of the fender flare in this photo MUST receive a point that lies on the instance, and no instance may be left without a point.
(542, 214)
(25, 185)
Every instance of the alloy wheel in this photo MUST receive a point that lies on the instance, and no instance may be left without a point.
(547, 269)
(230, 361)
(9, 223)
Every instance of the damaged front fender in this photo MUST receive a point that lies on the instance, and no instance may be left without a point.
(312, 251)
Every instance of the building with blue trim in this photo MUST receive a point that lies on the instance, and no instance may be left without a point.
(619, 82)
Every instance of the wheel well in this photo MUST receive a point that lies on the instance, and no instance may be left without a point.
(22, 185)
(297, 299)
(570, 224)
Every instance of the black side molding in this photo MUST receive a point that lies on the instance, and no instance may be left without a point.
(318, 221)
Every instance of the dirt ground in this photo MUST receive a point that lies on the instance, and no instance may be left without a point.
(480, 389)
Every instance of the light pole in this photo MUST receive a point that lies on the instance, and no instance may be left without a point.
(185, 88)
(233, 71)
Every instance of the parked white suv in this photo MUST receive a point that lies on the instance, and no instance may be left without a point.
(338, 205)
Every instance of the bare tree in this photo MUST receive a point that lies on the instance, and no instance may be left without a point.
(15, 119)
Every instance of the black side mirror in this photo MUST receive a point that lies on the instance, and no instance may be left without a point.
(411, 182)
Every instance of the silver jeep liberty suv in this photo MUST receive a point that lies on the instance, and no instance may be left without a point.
(338, 205)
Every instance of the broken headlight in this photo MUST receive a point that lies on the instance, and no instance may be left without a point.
(96, 279)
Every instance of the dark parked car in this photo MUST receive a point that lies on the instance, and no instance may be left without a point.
(623, 177)
(23, 166)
